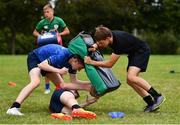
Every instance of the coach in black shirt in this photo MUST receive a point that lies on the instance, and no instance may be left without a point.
(138, 56)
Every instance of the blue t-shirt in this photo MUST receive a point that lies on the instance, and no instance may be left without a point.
(56, 55)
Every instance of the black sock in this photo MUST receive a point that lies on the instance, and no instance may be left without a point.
(76, 106)
(16, 104)
(148, 99)
(153, 93)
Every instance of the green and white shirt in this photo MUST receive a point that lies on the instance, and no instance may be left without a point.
(56, 23)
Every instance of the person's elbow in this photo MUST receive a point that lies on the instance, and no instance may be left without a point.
(68, 31)
(36, 33)
(109, 65)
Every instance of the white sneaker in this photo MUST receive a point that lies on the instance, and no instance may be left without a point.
(14, 111)
(47, 91)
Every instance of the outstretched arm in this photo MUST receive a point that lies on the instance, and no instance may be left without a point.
(73, 78)
(46, 67)
(76, 84)
(107, 63)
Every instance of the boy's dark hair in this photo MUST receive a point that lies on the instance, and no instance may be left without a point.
(102, 33)
(79, 59)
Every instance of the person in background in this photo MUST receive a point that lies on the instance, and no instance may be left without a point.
(138, 56)
(48, 24)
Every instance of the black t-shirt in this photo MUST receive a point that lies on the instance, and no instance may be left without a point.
(125, 43)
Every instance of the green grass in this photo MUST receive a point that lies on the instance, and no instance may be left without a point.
(35, 107)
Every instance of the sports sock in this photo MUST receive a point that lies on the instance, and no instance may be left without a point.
(148, 99)
(76, 106)
(47, 86)
(153, 93)
(16, 104)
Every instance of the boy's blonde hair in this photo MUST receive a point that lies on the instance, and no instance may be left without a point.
(48, 6)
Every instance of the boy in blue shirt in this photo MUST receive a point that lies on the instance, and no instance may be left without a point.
(51, 61)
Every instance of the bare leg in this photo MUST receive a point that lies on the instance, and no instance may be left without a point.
(66, 110)
(68, 99)
(55, 78)
(35, 82)
(138, 89)
(140, 85)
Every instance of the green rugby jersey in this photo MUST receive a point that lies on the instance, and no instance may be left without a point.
(56, 23)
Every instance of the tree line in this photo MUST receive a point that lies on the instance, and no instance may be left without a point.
(155, 21)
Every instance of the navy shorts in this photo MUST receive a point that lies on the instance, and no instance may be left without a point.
(33, 61)
(56, 105)
(139, 59)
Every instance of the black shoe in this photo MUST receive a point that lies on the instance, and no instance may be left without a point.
(149, 108)
(158, 101)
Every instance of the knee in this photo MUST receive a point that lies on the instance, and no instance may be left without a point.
(130, 79)
(35, 83)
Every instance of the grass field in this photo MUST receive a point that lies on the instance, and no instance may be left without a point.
(35, 107)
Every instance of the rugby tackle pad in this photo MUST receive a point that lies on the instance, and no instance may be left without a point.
(49, 38)
(102, 79)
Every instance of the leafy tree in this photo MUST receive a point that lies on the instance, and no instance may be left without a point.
(152, 18)
(18, 16)
(87, 14)
(160, 16)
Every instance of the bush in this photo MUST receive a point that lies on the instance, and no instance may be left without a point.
(4, 41)
(161, 43)
(168, 43)
(24, 44)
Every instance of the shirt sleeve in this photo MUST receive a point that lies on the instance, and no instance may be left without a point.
(62, 25)
(39, 26)
(59, 62)
(56, 61)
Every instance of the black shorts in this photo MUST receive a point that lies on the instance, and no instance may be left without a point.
(139, 59)
(56, 105)
(33, 61)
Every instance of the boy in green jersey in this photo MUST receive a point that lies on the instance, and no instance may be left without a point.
(48, 24)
